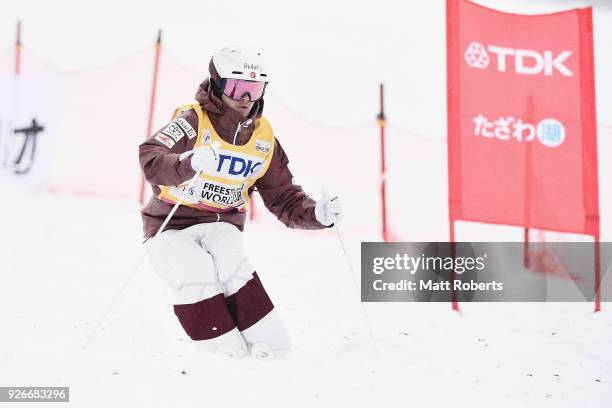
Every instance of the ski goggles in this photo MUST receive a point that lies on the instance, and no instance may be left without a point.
(238, 88)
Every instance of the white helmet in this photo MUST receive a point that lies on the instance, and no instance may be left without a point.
(238, 63)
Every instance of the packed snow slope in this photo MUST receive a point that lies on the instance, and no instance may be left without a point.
(65, 258)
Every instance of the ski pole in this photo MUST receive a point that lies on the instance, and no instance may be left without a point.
(363, 310)
(355, 286)
(127, 280)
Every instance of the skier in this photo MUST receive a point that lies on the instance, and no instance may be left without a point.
(223, 137)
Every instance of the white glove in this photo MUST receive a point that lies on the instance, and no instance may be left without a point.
(328, 210)
(204, 159)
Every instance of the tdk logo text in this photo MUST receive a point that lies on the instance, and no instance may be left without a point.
(237, 166)
(526, 62)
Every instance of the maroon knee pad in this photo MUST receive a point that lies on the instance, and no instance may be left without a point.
(250, 304)
(206, 319)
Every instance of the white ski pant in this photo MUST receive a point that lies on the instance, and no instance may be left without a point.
(220, 301)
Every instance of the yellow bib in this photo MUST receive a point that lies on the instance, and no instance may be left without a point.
(239, 167)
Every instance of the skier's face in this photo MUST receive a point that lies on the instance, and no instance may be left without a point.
(243, 106)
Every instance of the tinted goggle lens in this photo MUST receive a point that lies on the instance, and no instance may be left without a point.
(238, 88)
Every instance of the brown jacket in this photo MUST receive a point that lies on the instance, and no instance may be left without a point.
(161, 166)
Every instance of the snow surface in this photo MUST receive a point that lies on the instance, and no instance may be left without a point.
(65, 258)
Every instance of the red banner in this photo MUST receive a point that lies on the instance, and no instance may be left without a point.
(521, 118)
